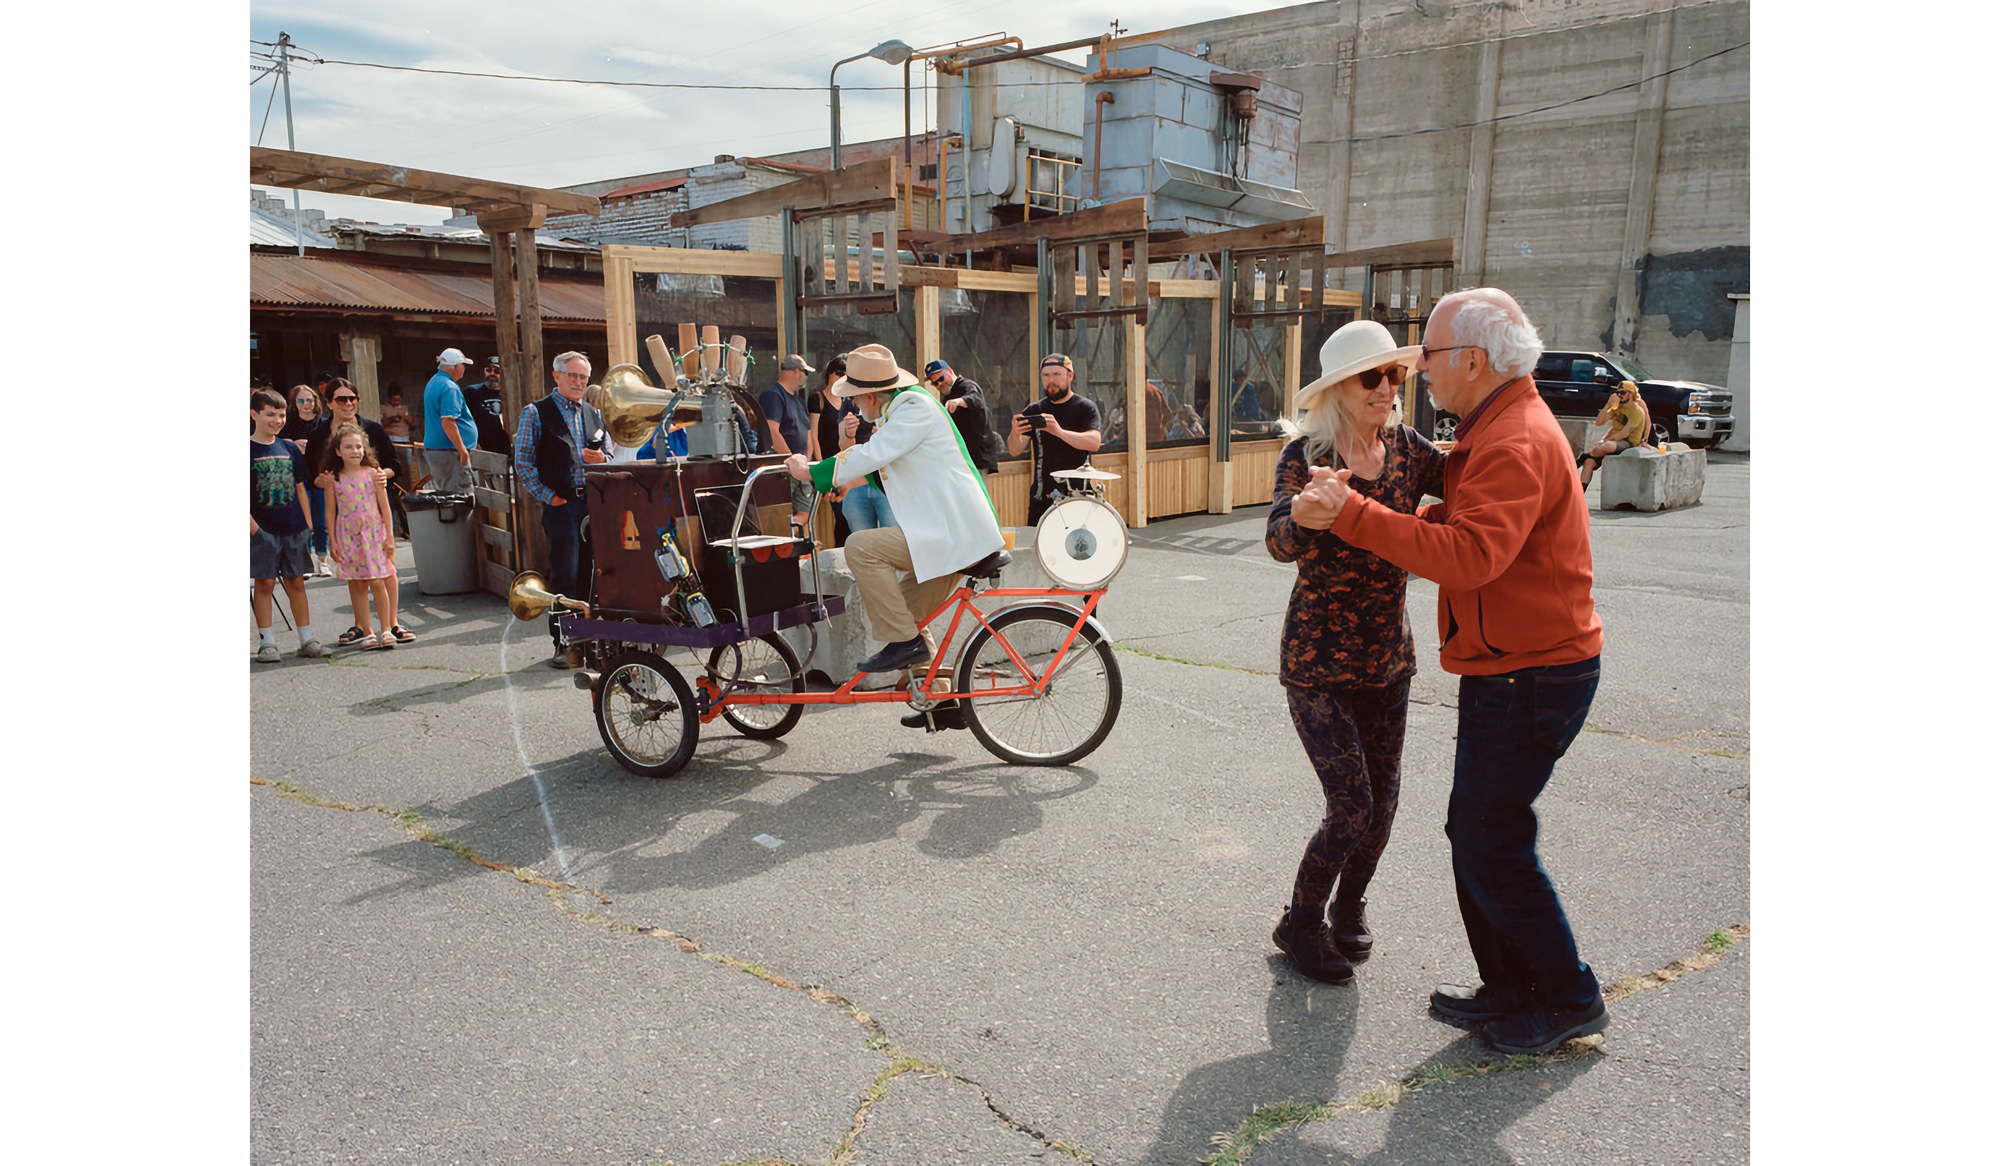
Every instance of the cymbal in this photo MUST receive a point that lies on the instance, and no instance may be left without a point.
(1085, 472)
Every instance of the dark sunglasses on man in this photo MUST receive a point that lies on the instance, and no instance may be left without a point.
(1370, 378)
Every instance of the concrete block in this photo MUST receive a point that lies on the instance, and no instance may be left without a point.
(1645, 480)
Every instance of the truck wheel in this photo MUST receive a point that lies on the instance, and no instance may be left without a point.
(1444, 429)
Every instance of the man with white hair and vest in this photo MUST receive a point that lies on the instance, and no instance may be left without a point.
(948, 521)
(556, 437)
(1509, 548)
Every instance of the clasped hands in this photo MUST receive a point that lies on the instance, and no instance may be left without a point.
(1316, 506)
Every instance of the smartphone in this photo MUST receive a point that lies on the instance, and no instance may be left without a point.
(1038, 420)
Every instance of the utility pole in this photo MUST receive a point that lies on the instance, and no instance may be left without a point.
(291, 143)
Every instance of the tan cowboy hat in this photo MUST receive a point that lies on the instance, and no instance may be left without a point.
(1363, 344)
(872, 368)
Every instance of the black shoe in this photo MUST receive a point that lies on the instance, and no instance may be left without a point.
(907, 654)
(1543, 1030)
(1311, 950)
(1460, 1003)
(944, 716)
(1350, 930)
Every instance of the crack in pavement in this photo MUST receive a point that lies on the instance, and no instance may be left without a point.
(558, 892)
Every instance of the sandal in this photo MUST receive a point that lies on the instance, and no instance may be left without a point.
(350, 637)
(374, 643)
(401, 634)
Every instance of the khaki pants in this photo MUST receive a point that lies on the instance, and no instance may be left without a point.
(894, 605)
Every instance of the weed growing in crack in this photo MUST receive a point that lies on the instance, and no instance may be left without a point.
(1191, 663)
(1719, 941)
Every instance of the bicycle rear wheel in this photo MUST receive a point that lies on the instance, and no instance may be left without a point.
(767, 665)
(1075, 712)
(645, 713)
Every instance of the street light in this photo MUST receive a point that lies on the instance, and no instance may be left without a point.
(894, 52)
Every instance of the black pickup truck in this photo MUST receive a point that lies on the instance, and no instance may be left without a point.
(1576, 384)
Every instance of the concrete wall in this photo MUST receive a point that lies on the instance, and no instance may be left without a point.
(1622, 221)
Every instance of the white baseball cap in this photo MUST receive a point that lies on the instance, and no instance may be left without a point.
(451, 356)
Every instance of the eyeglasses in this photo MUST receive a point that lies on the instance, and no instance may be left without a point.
(938, 379)
(1371, 378)
(345, 400)
(1446, 348)
(305, 400)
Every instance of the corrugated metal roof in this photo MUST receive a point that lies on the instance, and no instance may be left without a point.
(293, 281)
(276, 231)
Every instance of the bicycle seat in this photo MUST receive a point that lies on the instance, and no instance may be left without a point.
(990, 566)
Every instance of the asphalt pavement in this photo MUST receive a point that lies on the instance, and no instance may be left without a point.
(475, 938)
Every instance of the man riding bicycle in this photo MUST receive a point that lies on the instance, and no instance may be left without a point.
(948, 523)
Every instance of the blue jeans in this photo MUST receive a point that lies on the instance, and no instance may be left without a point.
(866, 508)
(1511, 730)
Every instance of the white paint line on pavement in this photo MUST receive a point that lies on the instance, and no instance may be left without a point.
(521, 750)
(1177, 707)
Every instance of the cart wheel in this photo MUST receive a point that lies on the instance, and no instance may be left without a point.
(1071, 718)
(766, 664)
(646, 714)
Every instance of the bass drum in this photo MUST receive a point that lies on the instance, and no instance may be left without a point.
(1080, 543)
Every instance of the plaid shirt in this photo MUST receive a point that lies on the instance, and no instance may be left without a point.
(528, 434)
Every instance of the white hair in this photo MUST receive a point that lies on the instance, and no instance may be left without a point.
(558, 363)
(1511, 348)
(1327, 424)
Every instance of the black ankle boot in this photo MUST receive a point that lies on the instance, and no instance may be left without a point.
(1312, 950)
(1350, 930)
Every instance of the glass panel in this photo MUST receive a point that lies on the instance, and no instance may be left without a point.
(1253, 398)
(1179, 337)
(985, 335)
(738, 305)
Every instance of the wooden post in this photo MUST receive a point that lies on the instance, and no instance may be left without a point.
(1135, 415)
(362, 350)
(506, 325)
(1294, 376)
(1221, 483)
(536, 377)
(930, 343)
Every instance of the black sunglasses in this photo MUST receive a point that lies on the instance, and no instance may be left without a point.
(344, 400)
(1373, 377)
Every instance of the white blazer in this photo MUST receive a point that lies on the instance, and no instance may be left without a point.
(937, 497)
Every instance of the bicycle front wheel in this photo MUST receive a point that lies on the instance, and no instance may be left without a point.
(1076, 710)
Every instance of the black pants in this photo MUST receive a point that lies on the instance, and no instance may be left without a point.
(1354, 739)
(569, 556)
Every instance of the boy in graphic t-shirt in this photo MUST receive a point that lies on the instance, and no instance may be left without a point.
(280, 526)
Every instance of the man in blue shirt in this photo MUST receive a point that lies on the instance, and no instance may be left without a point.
(450, 430)
(791, 427)
(557, 436)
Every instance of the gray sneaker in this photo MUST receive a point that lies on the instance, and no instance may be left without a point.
(267, 654)
(312, 650)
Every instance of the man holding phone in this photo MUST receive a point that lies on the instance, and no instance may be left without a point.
(1064, 428)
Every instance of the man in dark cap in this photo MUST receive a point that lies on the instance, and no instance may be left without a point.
(966, 402)
(1064, 428)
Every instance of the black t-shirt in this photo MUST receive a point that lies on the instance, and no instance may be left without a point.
(487, 413)
(975, 428)
(1076, 414)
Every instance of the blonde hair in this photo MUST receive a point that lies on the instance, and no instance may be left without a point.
(1326, 425)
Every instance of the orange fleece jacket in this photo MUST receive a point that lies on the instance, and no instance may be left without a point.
(1509, 547)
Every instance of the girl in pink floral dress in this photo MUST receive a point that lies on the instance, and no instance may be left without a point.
(362, 546)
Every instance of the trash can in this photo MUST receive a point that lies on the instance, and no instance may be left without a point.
(443, 542)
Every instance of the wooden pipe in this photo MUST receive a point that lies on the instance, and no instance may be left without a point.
(689, 342)
(663, 361)
(739, 359)
(711, 347)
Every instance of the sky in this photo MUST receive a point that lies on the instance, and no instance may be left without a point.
(542, 134)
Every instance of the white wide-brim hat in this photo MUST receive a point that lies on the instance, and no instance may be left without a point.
(872, 368)
(1355, 347)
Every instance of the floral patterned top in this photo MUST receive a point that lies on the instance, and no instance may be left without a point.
(1346, 626)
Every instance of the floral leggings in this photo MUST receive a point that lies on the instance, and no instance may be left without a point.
(1354, 739)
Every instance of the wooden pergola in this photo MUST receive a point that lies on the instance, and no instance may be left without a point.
(507, 213)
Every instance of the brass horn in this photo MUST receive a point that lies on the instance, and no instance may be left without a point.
(633, 407)
(530, 597)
